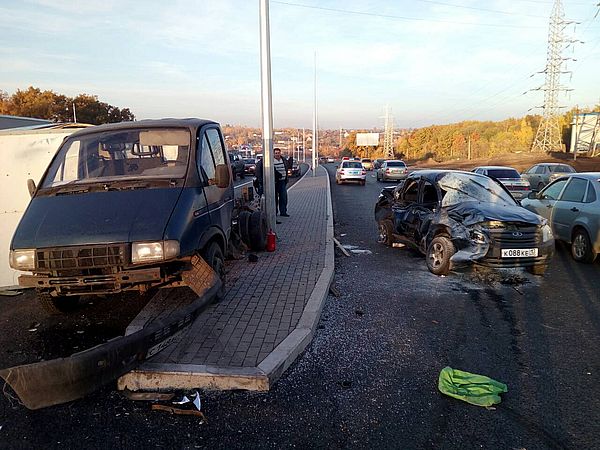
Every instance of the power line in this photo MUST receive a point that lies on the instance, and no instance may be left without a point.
(394, 17)
(453, 5)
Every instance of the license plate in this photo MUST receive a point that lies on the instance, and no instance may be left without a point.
(354, 172)
(519, 252)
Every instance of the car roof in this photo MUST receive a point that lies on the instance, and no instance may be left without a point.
(147, 123)
(552, 164)
(495, 167)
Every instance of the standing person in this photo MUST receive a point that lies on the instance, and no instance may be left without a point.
(280, 166)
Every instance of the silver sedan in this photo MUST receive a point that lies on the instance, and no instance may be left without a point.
(392, 169)
(572, 206)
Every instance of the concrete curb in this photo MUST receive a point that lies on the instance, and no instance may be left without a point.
(161, 376)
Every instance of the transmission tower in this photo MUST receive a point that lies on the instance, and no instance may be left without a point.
(388, 136)
(548, 136)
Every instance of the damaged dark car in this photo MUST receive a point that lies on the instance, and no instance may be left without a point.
(458, 218)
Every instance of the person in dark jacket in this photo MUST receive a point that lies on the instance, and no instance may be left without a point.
(281, 167)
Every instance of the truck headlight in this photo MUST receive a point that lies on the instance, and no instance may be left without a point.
(547, 233)
(22, 259)
(148, 252)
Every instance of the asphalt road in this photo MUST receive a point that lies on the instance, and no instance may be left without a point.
(369, 378)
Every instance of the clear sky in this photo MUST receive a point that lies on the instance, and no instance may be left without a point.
(430, 61)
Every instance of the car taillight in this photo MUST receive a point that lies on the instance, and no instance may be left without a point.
(342, 171)
(387, 170)
(364, 172)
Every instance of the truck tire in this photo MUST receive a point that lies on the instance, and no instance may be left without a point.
(57, 305)
(213, 255)
(257, 231)
(243, 222)
(439, 252)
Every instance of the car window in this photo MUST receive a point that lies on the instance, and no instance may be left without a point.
(503, 173)
(531, 169)
(395, 164)
(563, 168)
(575, 190)
(216, 146)
(553, 191)
(430, 194)
(411, 191)
(591, 194)
(351, 165)
(207, 163)
(540, 169)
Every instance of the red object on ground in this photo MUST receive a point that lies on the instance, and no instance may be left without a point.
(270, 241)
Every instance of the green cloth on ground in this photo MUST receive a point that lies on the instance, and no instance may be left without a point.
(472, 388)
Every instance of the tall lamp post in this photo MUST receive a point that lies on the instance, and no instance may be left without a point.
(267, 114)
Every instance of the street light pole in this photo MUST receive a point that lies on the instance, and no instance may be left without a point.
(315, 139)
(267, 114)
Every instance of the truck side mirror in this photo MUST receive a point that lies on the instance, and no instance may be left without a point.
(31, 187)
(222, 176)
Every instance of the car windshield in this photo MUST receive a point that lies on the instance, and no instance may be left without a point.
(503, 173)
(395, 164)
(562, 169)
(463, 187)
(120, 155)
(351, 165)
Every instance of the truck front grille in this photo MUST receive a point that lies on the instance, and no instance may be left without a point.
(84, 257)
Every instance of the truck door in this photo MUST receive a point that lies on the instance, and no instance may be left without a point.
(212, 153)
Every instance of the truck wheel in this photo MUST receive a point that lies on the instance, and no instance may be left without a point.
(386, 230)
(581, 247)
(540, 269)
(213, 255)
(257, 231)
(243, 222)
(57, 305)
(439, 252)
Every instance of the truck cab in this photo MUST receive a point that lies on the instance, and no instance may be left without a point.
(125, 207)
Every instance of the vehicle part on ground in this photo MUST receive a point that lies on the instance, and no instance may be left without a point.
(581, 247)
(61, 380)
(439, 254)
(57, 304)
(257, 230)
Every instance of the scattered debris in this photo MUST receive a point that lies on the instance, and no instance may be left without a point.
(148, 396)
(343, 234)
(334, 291)
(518, 290)
(398, 245)
(360, 251)
(475, 389)
(359, 312)
(252, 258)
(346, 384)
(435, 321)
(179, 411)
(341, 247)
(34, 326)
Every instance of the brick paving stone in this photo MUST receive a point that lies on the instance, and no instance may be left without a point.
(264, 300)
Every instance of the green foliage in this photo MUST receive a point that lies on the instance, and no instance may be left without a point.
(59, 108)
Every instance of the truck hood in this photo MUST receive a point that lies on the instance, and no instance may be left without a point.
(96, 218)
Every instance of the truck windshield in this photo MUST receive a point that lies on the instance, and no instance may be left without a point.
(120, 155)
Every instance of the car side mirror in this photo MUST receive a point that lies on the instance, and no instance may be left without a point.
(222, 177)
(533, 195)
(31, 187)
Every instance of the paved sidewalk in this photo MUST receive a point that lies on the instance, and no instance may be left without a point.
(269, 313)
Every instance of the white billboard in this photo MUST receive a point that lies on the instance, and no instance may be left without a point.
(367, 139)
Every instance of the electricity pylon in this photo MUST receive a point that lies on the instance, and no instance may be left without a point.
(548, 136)
(388, 136)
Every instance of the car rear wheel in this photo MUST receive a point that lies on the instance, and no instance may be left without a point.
(59, 304)
(439, 252)
(581, 247)
(386, 230)
(213, 255)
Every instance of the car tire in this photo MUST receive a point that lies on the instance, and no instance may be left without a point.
(386, 233)
(58, 305)
(213, 255)
(539, 269)
(439, 252)
(363, 182)
(243, 222)
(257, 231)
(581, 247)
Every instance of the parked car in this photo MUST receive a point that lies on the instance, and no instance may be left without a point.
(294, 168)
(126, 207)
(330, 159)
(367, 163)
(351, 171)
(542, 174)
(238, 166)
(377, 163)
(457, 218)
(572, 206)
(249, 166)
(392, 170)
(509, 177)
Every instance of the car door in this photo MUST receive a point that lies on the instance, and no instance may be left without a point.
(424, 209)
(218, 199)
(406, 209)
(568, 207)
(547, 199)
(532, 177)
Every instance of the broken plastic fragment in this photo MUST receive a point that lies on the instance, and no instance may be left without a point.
(182, 401)
(398, 245)
(196, 401)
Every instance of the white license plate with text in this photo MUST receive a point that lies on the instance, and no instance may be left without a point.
(519, 252)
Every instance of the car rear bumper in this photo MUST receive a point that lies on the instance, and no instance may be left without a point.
(394, 176)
